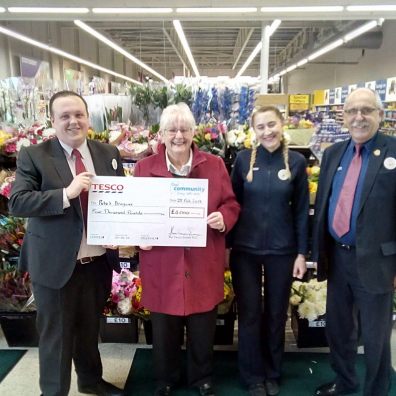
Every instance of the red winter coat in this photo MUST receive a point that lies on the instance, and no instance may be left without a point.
(182, 281)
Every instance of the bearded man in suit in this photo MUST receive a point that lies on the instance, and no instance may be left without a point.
(71, 279)
(354, 244)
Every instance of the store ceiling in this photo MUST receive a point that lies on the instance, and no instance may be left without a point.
(220, 44)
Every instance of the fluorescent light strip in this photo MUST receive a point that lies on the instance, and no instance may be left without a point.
(131, 10)
(2, 9)
(326, 49)
(302, 62)
(183, 40)
(274, 25)
(360, 30)
(371, 8)
(48, 10)
(119, 49)
(303, 9)
(250, 58)
(64, 54)
(349, 36)
(207, 10)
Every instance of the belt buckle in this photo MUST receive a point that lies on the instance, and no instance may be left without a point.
(85, 260)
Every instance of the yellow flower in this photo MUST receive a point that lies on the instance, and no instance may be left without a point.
(208, 136)
(313, 187)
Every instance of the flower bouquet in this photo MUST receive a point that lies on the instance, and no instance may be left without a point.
(133, 142)
(229, 294)
(210, 138)
(125, 296)
(313, 178)
(308, 303)
(12, 139)
(309, 297)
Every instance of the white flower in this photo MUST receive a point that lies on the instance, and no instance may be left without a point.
(307, 310)
(231, 137)
(295, 299)
(124, 307)
(241, 138)
(49, 132)
(22, 142)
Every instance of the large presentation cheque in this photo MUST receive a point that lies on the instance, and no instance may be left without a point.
(147, 211)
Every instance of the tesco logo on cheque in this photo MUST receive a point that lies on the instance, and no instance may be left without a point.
(107, 188)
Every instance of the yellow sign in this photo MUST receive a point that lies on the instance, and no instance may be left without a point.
(299, 99)
(319, 97)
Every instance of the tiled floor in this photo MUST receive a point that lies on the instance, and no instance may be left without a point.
(116, 358)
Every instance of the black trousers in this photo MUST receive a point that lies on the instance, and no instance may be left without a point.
(168, 332)
(346, 299)
(261, 333)
(68, 327)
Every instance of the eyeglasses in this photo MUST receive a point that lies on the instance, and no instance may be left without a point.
(173, 131)
(364, 111)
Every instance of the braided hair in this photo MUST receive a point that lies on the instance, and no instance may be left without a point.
(284, 142)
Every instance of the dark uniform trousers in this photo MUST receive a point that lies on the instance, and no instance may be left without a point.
(68, 325)
(168, 331)
(346, 298)
(261, 334)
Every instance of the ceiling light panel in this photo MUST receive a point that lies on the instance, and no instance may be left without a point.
(179, 30)
(48, 10)
(215, 10)
(302, 9)
(132, 10)
(371, 8)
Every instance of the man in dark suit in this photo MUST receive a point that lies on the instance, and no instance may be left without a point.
(71, 280)
(355, 246)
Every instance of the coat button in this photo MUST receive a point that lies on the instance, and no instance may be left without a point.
(187, 274)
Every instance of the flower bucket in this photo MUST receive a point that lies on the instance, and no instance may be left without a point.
(119, 329)
(225, 324)
(309, 333)
(19, 328)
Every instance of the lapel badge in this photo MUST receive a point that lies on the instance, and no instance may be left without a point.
(377, 152)
(390, 163)
(114, 163)
(283, 174)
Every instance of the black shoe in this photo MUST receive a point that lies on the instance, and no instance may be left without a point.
(102, 388)
(257, 390)
(164, 391)
(331, 389)
(272, 387)
(206, 389)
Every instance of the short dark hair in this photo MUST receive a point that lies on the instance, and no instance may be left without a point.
(63, 94)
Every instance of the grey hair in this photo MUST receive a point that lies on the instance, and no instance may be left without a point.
(176, 112)
(378, 102)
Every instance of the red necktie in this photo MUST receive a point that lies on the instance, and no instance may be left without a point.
(343, 211)
(80, 167)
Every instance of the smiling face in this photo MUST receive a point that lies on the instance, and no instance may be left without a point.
(70, 120)
(178, 137)
(269, 129)
(362, 115)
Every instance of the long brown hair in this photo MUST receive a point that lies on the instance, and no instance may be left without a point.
(284, 142)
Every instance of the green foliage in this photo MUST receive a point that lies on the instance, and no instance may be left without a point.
(183, 93)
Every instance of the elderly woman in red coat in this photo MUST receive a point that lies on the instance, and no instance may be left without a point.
(182, 286)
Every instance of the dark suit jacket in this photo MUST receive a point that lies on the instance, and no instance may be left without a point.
(376, 221)
(53, 234)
